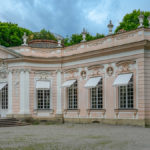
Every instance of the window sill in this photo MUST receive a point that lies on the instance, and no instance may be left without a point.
(71, 110)
(96, 110)
(43, 110)
(126, 110)
(101, 110)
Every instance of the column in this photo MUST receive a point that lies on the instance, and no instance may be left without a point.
(24, 92)
(59, 107)
(10, 92)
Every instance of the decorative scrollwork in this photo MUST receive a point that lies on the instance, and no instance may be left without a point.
(3, 70)
(125, 65)
(43, 74)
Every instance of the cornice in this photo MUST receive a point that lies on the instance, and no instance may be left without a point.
(86, 55)
(107, 51)
(10, 51)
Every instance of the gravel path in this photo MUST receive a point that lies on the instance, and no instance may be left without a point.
(75, 137)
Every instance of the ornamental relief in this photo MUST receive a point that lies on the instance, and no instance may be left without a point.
(95, 70)
(70, 73)
(43, 75)
(94, 73)
(126, 66)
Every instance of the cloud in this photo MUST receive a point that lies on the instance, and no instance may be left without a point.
(99, 13)
(66, 17)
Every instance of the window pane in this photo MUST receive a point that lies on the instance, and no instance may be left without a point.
(72, 96)
(4, 97)
(97, 96)
(46, 99)
(130, 94)
(122, 96)
(40, 98)
(43, 98)
(126, 95)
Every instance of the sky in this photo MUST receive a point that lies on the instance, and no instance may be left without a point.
(66, 17)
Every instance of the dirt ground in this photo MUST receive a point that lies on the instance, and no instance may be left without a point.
(74, 137)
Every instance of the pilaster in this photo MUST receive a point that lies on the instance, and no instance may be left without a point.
(59, 102)
(24, 91)
(10, 92)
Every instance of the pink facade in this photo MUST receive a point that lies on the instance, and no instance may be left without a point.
(23, 68)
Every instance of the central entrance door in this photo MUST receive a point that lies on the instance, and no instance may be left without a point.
(3, 99)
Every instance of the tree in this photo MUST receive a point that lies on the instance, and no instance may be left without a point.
(131, 21)
(97, 36)
(74, 39)
(77, 38)
(43, 34)
(11, 34)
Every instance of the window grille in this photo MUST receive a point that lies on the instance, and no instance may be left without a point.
(126, 95)
(96, 95)
(4, 97)
(43, 98)
(72, 96)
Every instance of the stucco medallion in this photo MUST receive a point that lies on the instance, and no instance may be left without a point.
(110, 71)
(83, 74)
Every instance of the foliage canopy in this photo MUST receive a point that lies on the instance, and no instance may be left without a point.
(77, 38)
(11, 34)
(43, 34)
(131, 21)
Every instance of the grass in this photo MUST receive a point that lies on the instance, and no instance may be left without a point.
(58, 146)
(70, 137)
(99, 141)
(95, 137)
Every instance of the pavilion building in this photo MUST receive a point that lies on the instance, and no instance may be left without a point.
(105, 80)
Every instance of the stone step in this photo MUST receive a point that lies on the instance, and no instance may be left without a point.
(8, 119)
(13, 125)
(10, 122)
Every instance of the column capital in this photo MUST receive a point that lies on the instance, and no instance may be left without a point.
(10, 70)
(24, 70)
(59, 70)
